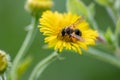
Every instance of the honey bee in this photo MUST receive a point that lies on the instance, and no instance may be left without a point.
(69, 30)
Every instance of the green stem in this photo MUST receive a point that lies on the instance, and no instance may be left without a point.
(3, 77)
(24, 48)
(103, 56)
(41, 66)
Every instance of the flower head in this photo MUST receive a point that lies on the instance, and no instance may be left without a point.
(36, 6)
(67, 31)
(4, 60)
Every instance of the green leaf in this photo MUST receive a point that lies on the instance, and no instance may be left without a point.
(77, 7)
(109, 36)
(105, 2)
(117, 6)
(92, 9)
(117, 30)
(23, 66)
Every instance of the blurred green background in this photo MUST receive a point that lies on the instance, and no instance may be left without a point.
(13, 19)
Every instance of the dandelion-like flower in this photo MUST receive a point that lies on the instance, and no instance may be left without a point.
(66, 31)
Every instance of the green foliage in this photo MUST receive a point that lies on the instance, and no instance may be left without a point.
(105, 2)
(117, 6)
(117, 32)
(78, 7)
(92, 9)
(109, 36)
(23, 66)
(12, 33)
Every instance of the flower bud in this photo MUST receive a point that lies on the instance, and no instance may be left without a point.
(35, 7)
(3, 61)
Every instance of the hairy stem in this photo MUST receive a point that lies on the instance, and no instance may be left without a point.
(24, 48)
(41, 66)
(103, 56)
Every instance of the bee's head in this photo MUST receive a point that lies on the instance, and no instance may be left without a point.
(78, 32)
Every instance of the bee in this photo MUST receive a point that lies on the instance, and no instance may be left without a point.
(71, 32)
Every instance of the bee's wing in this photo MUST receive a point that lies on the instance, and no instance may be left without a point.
(77, 37)
(79, 20)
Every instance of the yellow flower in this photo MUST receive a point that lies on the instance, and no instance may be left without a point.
(67, 31)
(36, 6)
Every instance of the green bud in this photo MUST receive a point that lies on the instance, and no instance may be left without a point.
(35, 7)
(4, 60)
